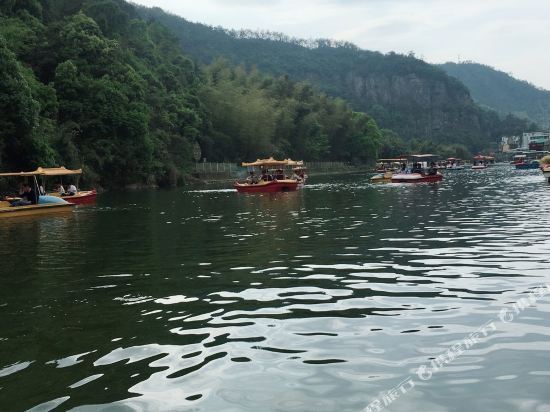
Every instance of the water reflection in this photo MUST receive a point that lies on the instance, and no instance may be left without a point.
(314, 300)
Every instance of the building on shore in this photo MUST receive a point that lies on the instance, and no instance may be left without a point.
(533, 141)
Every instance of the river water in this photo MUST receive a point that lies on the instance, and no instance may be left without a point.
(319, 300)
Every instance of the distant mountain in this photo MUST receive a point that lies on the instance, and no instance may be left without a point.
(415, 99)
(503, 92)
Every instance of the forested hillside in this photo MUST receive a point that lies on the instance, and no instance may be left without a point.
(88, 83)
(403, 93)
(503, 92)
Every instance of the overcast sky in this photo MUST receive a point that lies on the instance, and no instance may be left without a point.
(510, 35)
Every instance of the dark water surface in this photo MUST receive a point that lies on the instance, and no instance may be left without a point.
(319, 300)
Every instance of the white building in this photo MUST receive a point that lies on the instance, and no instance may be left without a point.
(509, 143)
(534, 137)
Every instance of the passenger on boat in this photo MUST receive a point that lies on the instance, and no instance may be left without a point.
(417, 168)
(61, 190)
(252, 178)
(432, 171)
(28, 197)
(403, 167)
(279, 174)
(72, 190)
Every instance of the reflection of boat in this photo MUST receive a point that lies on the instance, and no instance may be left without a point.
(267, 186)
(272, 176)
(423, 171)
(41, 204)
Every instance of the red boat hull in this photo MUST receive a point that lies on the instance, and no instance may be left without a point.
(82, 198)
(267, 187)
(416, 178)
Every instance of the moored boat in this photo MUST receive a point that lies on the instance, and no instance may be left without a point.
(272, 177)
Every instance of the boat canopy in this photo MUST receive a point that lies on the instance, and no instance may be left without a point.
(481, 157)
(272, 162)
(392, 160)
(42, 171)
(57, 171)
(424, 156)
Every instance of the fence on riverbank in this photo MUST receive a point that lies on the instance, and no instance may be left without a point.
(218, 171)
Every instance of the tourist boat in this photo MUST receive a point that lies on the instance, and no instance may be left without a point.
(533, 164)
(45, 204)
(271, 177)
(421, 172)
(454, 164)
(482, 162)
(518, 159)
(80, 197)
(416, 178)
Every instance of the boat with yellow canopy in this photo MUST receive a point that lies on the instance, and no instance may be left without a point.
(273, 176)
(40, 205)
(80, 197)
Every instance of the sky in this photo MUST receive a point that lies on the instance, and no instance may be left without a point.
(510, 35)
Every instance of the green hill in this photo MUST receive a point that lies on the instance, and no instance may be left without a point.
(405, 94)
(88, 83)
(503, 92)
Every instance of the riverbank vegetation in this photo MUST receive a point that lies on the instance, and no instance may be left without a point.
(91, 84)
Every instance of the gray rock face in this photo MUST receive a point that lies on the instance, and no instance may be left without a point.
(414, 106)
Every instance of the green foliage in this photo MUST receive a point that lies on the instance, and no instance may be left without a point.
(87, 83)
(254, 115)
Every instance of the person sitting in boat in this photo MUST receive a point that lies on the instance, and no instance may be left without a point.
(28, 196)
(279, 174)
(432, 171)
(252, 178)
(61, 190)
(72, 190)
(417, 168)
